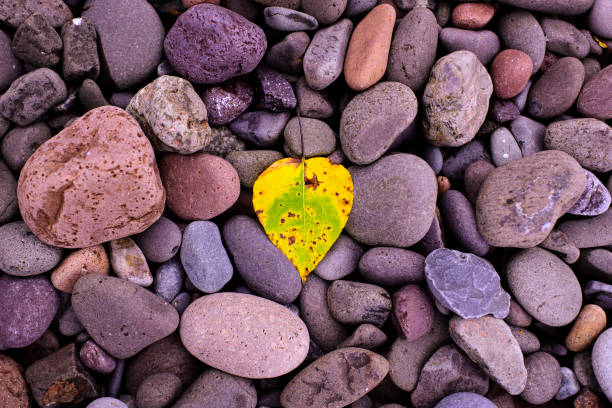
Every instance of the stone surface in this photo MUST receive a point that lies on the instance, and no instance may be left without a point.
(490, 344)
(261, 128)
(20, 143)
(340, 260)
(14, 13)
(520, 30)
(519, 203)
(10, 68)
(472, 16)
(388, 266)
(318, 138)
(545, 286)
(465, 399)
(593, 100)
(69, 324)
(590, 232)
(483, 43)
(249, 164)
(313, 104)
(169, 279)
(226, 101)
(340, 378)
(460, 220)
(158, 390)
(569, 384)
(326, 12)
(552, 6)
(455, 164)
(79, 263)
(275, 92)
(129, 262)
(96, 359)
(466, 284)
(13, 388)
(90, 95)
(365, 336)
(504, 148)
(529, 135)
(403, 188)
(557, 241)
(355, 302)
(285, 19)
(602, 362)
(263, 339)
(413, 312)
(36, 42)
(503, 110)
(107, 402)
(564, 38)
(161, 241)
(172, 115)
(528, 342)
(288, 54)
(510, 72)
(543, 378)
(474, 175)
(588, 325)
(214, 388)
(456, 99)
(135, 317)
(80, 56)
(595, 200)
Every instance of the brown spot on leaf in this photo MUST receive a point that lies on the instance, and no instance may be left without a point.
(291, 240)
(311, 182)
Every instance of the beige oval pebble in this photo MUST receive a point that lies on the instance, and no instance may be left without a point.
(244, 335)
(590, 323)
(129, 262)
(80, 263)
(368, 50)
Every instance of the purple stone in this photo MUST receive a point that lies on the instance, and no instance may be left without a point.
(276, 92)
(466, 284)
(225, 102)
(595, 200)
(96, 359)
(504, 110)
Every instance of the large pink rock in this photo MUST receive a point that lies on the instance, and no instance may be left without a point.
(93, 182)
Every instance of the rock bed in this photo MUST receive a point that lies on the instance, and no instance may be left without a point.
(475, 269)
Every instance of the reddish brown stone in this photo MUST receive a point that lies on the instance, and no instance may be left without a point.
(510, 72)
(13, 388)
(472, 16)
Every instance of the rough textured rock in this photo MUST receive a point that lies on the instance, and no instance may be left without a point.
(413, 312)
(456, 99)
(365, 336)
(593, 100)
(105, 155)
(129, 262)
(214, 388)
(275, 91)
(37, 43)
(564, 38)
(13, 388)
(472, 16)
(80, 57)
(465, 399)
(96, 359)
(158, 390)
(13, 13)
(318, 138)
(602, 362)
(356, 302)
(590, 232)
(588, 325)
(10, 68)
(595, 200)
(288, 54)
(284, 19)
(226, 101)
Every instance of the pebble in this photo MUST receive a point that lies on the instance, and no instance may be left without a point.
(80, 263)
(590, 232)
(341, 260)
(249, 164)
(292, 4)
(483, 43)
(552, 6)
(327, 332)
(356, 7)
(595, 263)
(466, 284)
(216, 388)
(110, 135)
(557, 89)
(569, 384)
(313, 104)
(183, 178)
(599, 18)
(368, 49)
(510, 72)
(10, 67)
(326, 12)
(13, 388)
(365, 336)
(129, 262)
(602, 362)
(96, 359)
(223, 142)
(474, 175)
(588, 325)
(31, 95)
(135, 318)
(21, 142)
(262, 266)
(285, 19)
(456, 99)
(403, 188)
(460, 220)
(204, 258)
(528, 342)
(90, 95)
(564, 38)
(227, 101)
(324, 58)
(266, 340)
(472, 16)
(543, 378)
(388, 266)
(181, 301)
(512, 211)
(529, 135)
(192, 45)
(413, 312)
(520, 100)
(131, 38)
(433, 156)
(490, 344)
(456, 163)
(107, 402)
(375, 119)
(355, 302)
(503, 110)
(36, 42)
(595, 200)
(161, 241)
(172, 115)
(80, 56)
(22, 254)
(159, 390)
(413, 49)
(69, 324)
(13, 13)
(275, 92)
(318, 138)
(262, 128)
(341, 377)
(545, 286)
(519, 30)
(594, 100)
(504, 147)
(288, 54)
(446, 372)
(434, 238)
(583, 369)
(465, 399)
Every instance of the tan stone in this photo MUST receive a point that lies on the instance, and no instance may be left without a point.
(79, 263)
(129, 262)
(588, 325)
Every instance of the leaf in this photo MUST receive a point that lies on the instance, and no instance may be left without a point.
(303, 206)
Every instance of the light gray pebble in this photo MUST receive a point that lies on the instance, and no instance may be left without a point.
(262, 128)
(341, 260)
(433, 156)
(285, 19)
(484, 43)
(106, 402)
(504, 147)
(169, 279)
(529, 135)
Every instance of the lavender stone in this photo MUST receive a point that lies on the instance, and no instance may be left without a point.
(225, 102)
(96, 359)
(276, 92)
(595, 200)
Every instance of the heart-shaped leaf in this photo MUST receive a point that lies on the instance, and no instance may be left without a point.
(303, 206)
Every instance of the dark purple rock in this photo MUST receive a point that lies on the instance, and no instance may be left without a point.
(261, 128)
(27, 307)
(459, 217)
(37, 43)
(19, 143)
(287, 55)
(434, 238)
(504, 110)
(529, 135)
(15, 12)
(389, 266)
(225, 102)
(209, 44)
(80, 59)
(121, 99)
(455, 165)
(466, 284)
(10, 66)
(595, 200)
(311, 103)
(413, 312)
(276, 92)
(473, 177)
(161, 241)
(96, 359)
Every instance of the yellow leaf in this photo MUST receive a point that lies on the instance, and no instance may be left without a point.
(303, 206)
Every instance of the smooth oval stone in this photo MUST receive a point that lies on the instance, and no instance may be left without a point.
(131, 38)
(504, 148)
(591, 232)
(594, 99)
(459, 217)
(433, 156)
(316, 136)
(313, 104)
(599, 16)
(91, 96)
(389, 266)
(135, 318)
(13, 388)
(545, 286)
(36, 42)
(394, 201)
(375, 119)
(563, 38)
(161, 241)
(285, 19)
(529, 134)
(102, 158)
(519, 203)
(129, 262)
(204, 258)
(215, 388)
(595, 200)
(474, 175)
(455, 165)
(472, 16)
(199, 186)
(365, 336)
(465, 399)
(484, 43)
(226, 101)
(488, 342)
(466, 284)
(244, 335)
(96, 359)
(172, 115)
(169, 279)
(10, 67)
(107, 402)
(413, 312)
(413, 49)
(262, 266)
(543, 378)
(510, 72)
(344, 376)
(456, 99)
(158, 390)
(325, 11)
(588, 325)
(21, 142)
(557, 89)
(324, 57)
(288, 54)
(520, 30)
(27, 308)
(563, 7)
(262, 128)
(355, 302)
(249, 164)
(368, 49)
(356, 7)
(199, 53)
(69, 324)
(569, 384)
(340, 260)
(602, 362)
(22, 254)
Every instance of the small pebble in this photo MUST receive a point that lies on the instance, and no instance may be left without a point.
(569, 384)
(129, 262)
(472, 16)
(96, 359)
(285, 19)
(356, 302)
(543, 378)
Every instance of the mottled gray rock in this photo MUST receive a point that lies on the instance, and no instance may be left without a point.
(590, 232)
(169, 279)
(569, 384)
(225, 102)
(96, 359)
(388, 266)
(483, 43)
(158, 390)
(223, 141)
(528, 342)
(455, 165)
(36, 42)
(520, 30)
(275, 92)
(529, 135)
(284, 19)
(15, 12)
(564, 38)
(161, 241)
(356, 302)
(10, 66)
(261, 128)
(288, 54)
(595, 200)
(543, 378)
(318, 138)
(313, 104)
(340, 260)
(8, 194)
(504, 147)
(215, 388)
(249, 164)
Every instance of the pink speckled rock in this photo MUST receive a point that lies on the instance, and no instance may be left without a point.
(472, 16)
(93, 182)
(200, 186)
(510, 72)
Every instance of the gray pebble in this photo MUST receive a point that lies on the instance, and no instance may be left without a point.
(106, 402)
(464, 400)
(388, 266)
(284, 19)
(161, 241)
(365, 336)
(37, 43)
(325, 11)
(433, 156)
(96, 359)
(565, 39)
(169, 279)
(318, 138)
(20, 142)
(590, 232)
(8, 194)
(91, 96)
(287, 55)
(529, 135)
(249, 164)
(520, 100)
(311, 103)
(158, 390)
(459, 217)
(69, 323)
(504, 147)
(595, 200)
(357, 303)
(121, 99)
(528, 342)
(484, 43)
(543, 378)
(341, 260)
(583, 369)
(569, 384)
(455, 164)
(261, 128)
(324, 59)
(599, 18)
(223, 141)
(80, 59)
(181, 301)
(591, 68)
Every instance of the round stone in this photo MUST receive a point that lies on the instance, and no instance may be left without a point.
(564, 38)
(510, 72)
(215, 388)
(79, 263)
(285, 19)
(543, 378)
(318, 138)
(226, 101)
(388, 266)
(288, 54)
(413, 312)
(520, 30)
(158, 390)
(161, 241)
(106, 402)
(602, 362)
(249, 164)
(472, 16)
(325, 11)
(21, 142)
(483, 43)
(594, 101)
